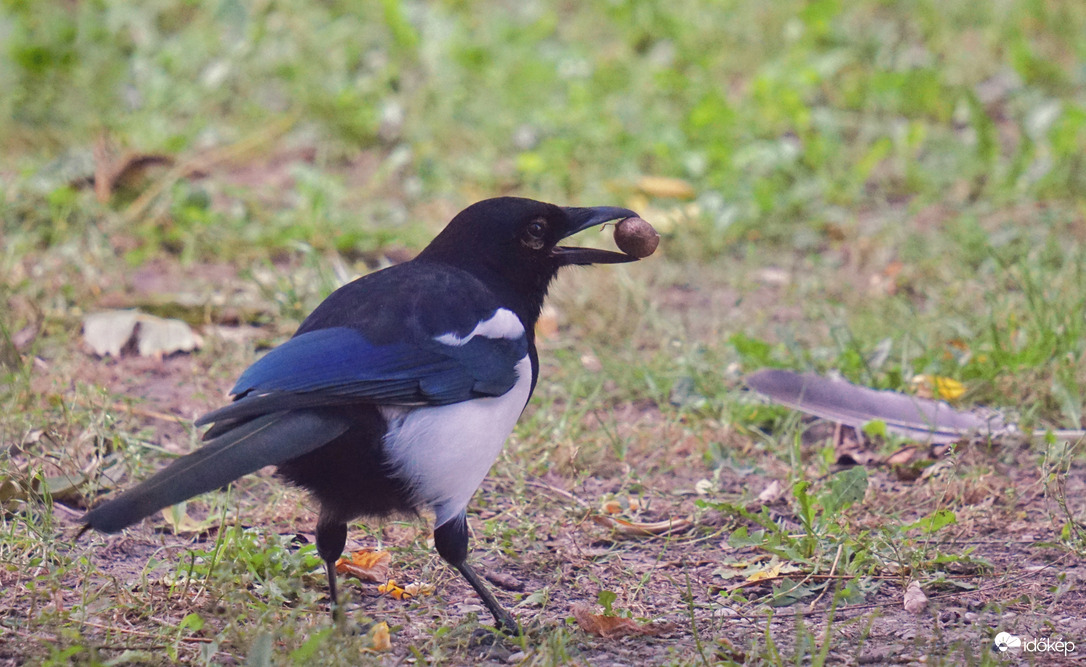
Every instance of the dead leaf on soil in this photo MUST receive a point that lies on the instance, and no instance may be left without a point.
(110, 332)
(130, 170)
(613, 507)
(729, 652)
(937, 386)
(64, 487)
(615, 627)
(60, 487)
(11, 494)
(909, 463)
(366, 565)
(641, 529)
(773, 492)
(22, 338)
(851, 451)
(178, 519)
(903, 456)
(753, 572)
(591, 363)
(772, 571)
(504, 581)
(380, 638)
(915, 600)
(415, 589)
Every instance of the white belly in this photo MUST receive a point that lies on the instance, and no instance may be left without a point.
(444, 452)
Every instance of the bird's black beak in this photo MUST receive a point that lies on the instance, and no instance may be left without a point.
(581, 219)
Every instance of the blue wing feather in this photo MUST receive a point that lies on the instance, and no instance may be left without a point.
(339, 365)
(338, 358)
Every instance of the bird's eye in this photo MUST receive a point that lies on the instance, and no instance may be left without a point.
(534, 235)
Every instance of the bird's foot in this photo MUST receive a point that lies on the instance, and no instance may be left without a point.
(505, 623)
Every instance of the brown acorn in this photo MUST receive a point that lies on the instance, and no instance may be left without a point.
(636, 238)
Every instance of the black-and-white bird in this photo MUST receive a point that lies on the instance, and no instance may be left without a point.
(399, 390)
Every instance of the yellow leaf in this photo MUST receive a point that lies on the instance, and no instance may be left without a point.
(380, 638)
(772, 572)
(365, 564)
(416, 589)
(745, 564)
(937, 386)
(391, 589)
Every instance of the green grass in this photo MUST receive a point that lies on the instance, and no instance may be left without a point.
(881, 190)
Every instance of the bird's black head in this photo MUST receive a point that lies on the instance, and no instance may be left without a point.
(512, 244)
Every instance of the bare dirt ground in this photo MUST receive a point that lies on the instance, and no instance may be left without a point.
(553, 553)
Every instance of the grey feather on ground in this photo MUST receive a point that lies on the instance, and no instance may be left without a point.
(841, 401)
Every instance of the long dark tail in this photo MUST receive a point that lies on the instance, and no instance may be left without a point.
(267, 440)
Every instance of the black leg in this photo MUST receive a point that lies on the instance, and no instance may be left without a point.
(331, 538)
(503, 620)
(333, 595)
(451, 540)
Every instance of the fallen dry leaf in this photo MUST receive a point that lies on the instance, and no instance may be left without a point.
(22, 338)
(505, 581)
(937, 386)
(909, 462)
(614, 627)
(365, 564)
(641, 529)
(915, 600)
(394, 590)
(771, 572)
(729, 652)
(112, 171)
(591, 363)
(416, 589)
(108, 333)
(902, 456)
(849, 451)
(612, 507)
(773, 492)
(380, 638)
(178, 519)
(391, 589)
(774, 569)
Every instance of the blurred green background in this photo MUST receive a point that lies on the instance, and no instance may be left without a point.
(791, 120)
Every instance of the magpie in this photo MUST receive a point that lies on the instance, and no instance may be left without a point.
(399, 390)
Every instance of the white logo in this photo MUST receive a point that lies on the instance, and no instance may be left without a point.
(1005, 641)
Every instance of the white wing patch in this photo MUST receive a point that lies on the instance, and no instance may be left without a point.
(502, 324)
(445, 452)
